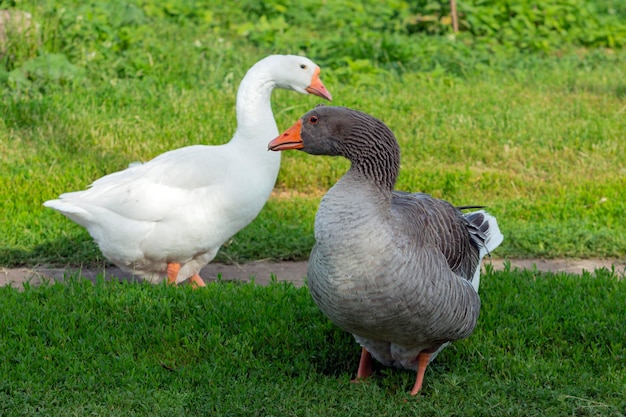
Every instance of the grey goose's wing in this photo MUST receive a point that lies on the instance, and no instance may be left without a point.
(437, 223)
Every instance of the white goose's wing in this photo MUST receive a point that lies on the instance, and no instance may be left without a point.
(152, 191)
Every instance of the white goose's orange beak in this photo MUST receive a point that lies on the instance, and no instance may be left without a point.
(317, 87)
(290, 139)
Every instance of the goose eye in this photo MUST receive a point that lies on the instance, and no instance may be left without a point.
(313, 120)
(303, 66)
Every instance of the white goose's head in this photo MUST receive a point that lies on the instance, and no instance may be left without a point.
(295, 73)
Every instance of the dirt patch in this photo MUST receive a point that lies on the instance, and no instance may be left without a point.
(262, 272)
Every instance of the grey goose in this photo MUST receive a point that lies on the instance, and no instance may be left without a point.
(400, 271)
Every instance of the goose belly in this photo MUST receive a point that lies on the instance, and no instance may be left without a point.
(416, 303)
(199, 228)
(189, 233)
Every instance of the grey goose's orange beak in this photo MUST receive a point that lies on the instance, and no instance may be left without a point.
(317, 87)
(290, 139)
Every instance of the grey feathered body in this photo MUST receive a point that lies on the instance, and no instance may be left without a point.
(399, 271)
(395, 269)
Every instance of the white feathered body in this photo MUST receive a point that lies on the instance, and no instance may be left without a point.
(154, 213)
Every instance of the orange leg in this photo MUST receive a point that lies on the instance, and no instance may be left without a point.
(172, 272)
(365, 366)
(422, 362)
(196, 281)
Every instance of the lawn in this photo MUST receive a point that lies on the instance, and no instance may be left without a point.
(537, 137)
(523, 112)
(543, 153)
(549, 345)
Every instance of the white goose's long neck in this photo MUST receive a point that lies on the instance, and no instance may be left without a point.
(254, 109)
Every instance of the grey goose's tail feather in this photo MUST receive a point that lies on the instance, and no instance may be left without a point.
(484, 231)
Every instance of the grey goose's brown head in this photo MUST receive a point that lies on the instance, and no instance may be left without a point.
(340, 131)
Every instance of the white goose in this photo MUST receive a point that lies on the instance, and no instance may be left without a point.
(169, 216)
(399, 271)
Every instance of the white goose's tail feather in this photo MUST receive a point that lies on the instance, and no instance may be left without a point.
(72, 211)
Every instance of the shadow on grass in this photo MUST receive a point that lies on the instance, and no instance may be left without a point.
(618, 91)
(60, 252)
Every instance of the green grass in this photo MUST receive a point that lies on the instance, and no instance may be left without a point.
(525, 121)
(549, 345)
(543, 150)
(537, 136)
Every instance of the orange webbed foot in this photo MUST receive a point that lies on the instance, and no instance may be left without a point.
(365, 366)
(196, 281)
(422, 362)
(172, 272)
